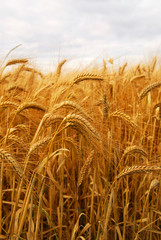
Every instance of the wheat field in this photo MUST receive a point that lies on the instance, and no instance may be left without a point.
(80, 152)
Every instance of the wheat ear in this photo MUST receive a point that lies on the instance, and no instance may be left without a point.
(104, 66)
(16, 61)
(153, 64)
(85, 168)
(51, 119)
(138, 77)
(124, 117)
(73, 105)
(158, 105)
(39, 144)
(7, 104)
(138, 169)
(134, 149)
(106, 106)
(138, 68)
(59, 68)
(33, 105)
(5, 77)
(122, 69)
(75, 118)
(32, 70)
(87, 76)
(147, 89)
(4, 155)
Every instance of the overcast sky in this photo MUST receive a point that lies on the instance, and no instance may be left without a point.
(81, 31)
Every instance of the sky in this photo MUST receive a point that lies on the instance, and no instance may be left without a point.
(81, 31)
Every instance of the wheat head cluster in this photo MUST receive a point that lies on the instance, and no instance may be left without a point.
(80, 152)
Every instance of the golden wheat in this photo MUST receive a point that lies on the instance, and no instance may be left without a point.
(65, 150)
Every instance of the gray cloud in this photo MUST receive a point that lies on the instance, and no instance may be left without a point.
(83, 29)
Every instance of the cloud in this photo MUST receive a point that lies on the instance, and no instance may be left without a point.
(80, 29)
